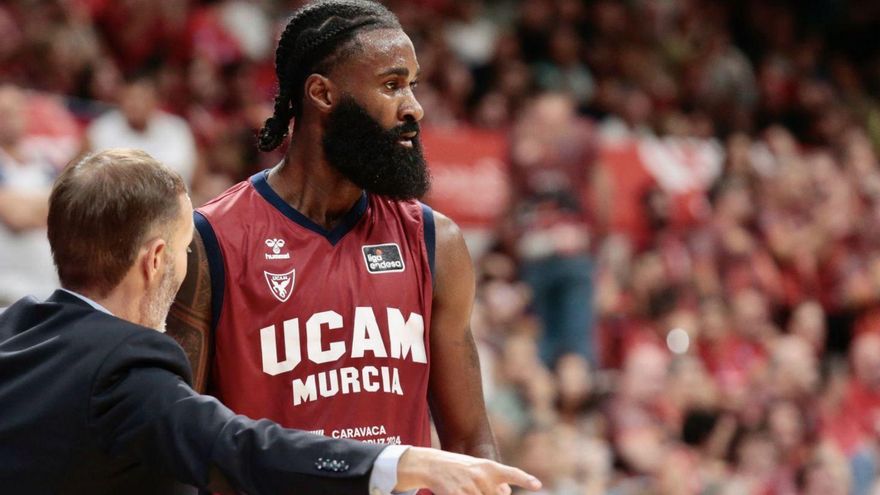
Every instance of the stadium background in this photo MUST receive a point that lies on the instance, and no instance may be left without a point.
(673, 206)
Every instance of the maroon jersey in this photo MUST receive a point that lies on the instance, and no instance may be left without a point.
(320, 330)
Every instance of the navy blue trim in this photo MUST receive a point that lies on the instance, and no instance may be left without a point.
(215, 266)
(333, 236)
(430, 236)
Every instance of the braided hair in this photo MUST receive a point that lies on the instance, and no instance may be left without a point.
(317, 37)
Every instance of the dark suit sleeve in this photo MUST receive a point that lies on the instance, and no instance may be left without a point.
(142, 408)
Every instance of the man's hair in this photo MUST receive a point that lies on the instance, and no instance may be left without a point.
(317, 37)
(101, 211)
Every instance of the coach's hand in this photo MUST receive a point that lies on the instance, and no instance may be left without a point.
(446, 473)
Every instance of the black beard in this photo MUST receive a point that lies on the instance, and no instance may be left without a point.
(372, 157)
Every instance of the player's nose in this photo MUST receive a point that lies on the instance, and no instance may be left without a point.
(410, 109)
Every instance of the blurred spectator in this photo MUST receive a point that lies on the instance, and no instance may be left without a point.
(140, 123)
(793, 370)
(826, 473)
(564, 71)
(553, 155)
(640, 415)
(808, 322)
(25, 179)
(470, 33)
(629, 111)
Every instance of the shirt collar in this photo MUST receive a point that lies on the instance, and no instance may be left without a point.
(88, 301)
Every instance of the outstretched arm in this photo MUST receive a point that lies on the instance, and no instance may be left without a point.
(142, 408)
(189, 321)
(455, 388)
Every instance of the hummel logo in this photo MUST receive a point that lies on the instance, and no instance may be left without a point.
(275, 245)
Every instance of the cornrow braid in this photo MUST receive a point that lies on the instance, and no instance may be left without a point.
(312, 42)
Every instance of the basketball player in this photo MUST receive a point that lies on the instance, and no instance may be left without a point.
(321, 293)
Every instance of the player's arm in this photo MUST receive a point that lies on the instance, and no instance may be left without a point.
(455, 388)
(189, 321)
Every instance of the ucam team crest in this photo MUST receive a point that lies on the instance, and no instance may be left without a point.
(281, 284)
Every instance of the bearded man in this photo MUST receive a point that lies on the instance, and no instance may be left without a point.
(321, 293)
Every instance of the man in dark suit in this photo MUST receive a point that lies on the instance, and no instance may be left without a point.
(95, 400)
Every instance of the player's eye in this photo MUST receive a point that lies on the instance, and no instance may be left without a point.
(189, 249)
(391, 85)
(414, 85)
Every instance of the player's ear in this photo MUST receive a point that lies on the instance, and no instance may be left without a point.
(320, 92)
(151, 260)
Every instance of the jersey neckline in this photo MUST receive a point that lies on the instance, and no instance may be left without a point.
(333, 236)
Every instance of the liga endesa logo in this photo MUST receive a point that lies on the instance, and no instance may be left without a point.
(383, 258)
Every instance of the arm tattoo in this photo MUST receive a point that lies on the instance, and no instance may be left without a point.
(189, 321)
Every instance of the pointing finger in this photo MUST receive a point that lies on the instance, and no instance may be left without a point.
(518, 477)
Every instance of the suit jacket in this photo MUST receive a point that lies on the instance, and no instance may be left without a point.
(93, 404)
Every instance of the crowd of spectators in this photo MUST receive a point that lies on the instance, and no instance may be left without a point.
(732, 348)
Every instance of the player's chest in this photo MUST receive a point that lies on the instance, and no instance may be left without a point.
(360, 269)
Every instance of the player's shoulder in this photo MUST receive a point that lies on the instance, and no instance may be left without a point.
(406, 209)
(445, 235)
(446, 229)
(453, 270)
(227, 198)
